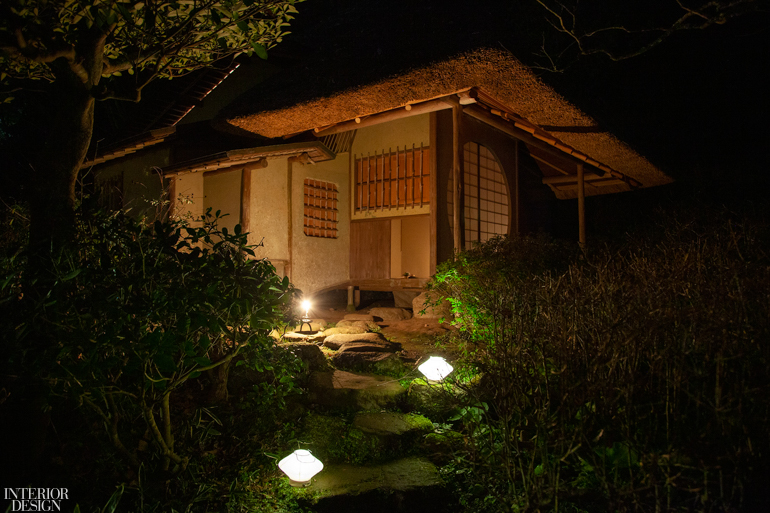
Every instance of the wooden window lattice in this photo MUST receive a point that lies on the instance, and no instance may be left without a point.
(391, 179)
(320, 209)
(485, 195)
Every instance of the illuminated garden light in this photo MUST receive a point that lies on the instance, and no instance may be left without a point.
(306, 304)
(435, 368)
(300, 466)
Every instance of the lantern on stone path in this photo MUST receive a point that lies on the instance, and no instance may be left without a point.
(435, 368)
(300, 466)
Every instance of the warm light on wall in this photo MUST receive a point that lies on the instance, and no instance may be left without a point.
(435, 368)
(300, 466)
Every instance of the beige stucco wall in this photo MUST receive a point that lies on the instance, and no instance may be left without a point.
(189, 198)
(387, 136)
(318, 262)
(223, 192)
(269, 217)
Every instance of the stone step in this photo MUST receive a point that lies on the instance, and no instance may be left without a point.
(348, 390)
(406, 485)
(389, 424)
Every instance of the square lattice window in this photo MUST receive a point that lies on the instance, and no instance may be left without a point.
(320, 209)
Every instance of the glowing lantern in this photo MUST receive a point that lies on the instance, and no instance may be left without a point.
(435, 368)
(300, 466)
(306, 304)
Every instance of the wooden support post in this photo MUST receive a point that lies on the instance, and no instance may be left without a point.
(433, 198)
(581, 205)
(515, 210)
(457, 177)
(351, 299)
(354, 298)
(245, 199)
(289, 267)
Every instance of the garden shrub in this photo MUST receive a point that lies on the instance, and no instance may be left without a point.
(625, 378)
(126, 317)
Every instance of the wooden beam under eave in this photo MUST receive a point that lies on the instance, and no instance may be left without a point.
(257, 164)
(570, 179)
(383, 117)
(523, 133)
(593, 183)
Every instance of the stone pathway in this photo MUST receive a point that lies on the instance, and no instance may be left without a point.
(401, 477)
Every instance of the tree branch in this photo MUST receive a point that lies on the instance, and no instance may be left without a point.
(565, 21)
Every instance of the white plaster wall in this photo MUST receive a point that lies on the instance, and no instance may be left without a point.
(387, 136)
(318, 262)
(223, 192)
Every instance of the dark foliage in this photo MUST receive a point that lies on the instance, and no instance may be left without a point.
(629, 378)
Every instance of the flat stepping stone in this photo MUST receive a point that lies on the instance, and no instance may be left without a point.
(370, 340)
(378, 362)
(345, 330)
(400, 475)
(392, 424)
(365, 325)
(294, 336)
(358, 317)
(391, 314)
(346, 390)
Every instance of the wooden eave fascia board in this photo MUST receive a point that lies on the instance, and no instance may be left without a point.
(150, 138)
(236, 159)
(411, 109)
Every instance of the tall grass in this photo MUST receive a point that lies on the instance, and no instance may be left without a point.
(631, 378)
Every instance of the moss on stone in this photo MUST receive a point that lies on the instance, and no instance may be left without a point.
(419, 422)
(332, 439)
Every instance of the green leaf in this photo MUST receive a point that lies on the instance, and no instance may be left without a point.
(203, 362)
(165, 363)
(71, 275)
(260, 50)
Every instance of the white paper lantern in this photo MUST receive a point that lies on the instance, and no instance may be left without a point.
(300, 466)
(435, 368)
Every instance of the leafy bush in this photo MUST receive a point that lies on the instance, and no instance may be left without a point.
(129, 314)
(632, 377)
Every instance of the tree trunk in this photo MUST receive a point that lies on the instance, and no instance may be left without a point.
(219, 377)
(52, 205)
(56, 171)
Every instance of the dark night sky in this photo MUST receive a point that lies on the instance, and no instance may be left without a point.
(695, 105)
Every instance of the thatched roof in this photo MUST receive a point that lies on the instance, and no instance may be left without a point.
(271, 109)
